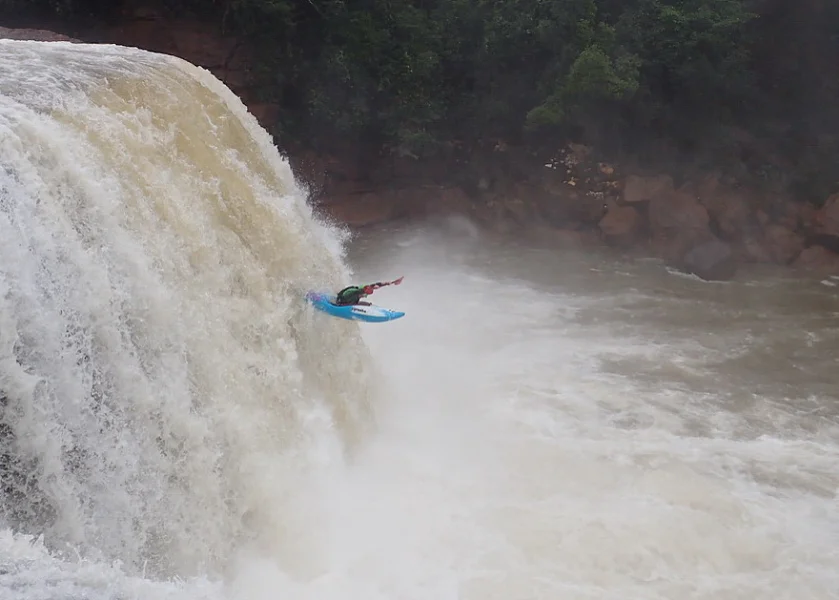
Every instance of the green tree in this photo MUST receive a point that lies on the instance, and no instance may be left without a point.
(376, 74)
(694, 60)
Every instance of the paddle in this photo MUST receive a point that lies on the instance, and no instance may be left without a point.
(394, 282)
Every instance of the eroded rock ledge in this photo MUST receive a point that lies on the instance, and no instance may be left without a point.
(708, 226)
(37, 35)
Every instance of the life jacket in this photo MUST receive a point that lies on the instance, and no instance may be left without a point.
(349, 295)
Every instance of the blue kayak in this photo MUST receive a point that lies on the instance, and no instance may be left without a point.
(355, 312)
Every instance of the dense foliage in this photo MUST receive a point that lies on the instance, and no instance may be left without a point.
(418, 72)
(414, 75)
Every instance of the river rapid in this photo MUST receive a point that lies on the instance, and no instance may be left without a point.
(618, 430)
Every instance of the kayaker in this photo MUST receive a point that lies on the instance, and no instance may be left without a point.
(352, 294)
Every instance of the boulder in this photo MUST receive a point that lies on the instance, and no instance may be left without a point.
(754, 250)
(807, 215)
(644, 189)
(730, 210)
(620, 225)
(561, 205)
(677, 223)
(784, 244)
(826, 220)
(788, 214)
(712, 260)
(677, 213)
(818, 258)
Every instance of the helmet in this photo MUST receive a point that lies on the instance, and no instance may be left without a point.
(368, 289)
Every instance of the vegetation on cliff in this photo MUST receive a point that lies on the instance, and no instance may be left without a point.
(653, 79)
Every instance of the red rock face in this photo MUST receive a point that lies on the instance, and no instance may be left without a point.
(363, 208)
(199, 43)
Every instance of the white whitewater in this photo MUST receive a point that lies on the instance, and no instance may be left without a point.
(540, 426)
(157, 368)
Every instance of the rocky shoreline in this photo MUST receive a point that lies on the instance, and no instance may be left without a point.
(707, 225)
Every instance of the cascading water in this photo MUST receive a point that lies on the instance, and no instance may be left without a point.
(156, 365)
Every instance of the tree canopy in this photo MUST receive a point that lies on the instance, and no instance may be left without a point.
(414, 75)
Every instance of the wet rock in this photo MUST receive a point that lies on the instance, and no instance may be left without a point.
(783, 244)
(712, 260)
(554, 203)
(358, 206)
(447, 201)
(807, 215)
(678, 213)
(709, 184)
(309, 169)
(787, 215)
(342, 169)
(620, 225)
(827, 217)
(818, 258)
(822, 230)
(677, 223)
(573, 188)
(200, 43)
(267, 114)
(644, 189)
(563, 238)
(362, 210)
(37, 35)
(573, 208)
(762, 218)
(517, 205)
(730, 211)
(754, 250)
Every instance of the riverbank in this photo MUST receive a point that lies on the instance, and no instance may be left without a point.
(707, 225)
